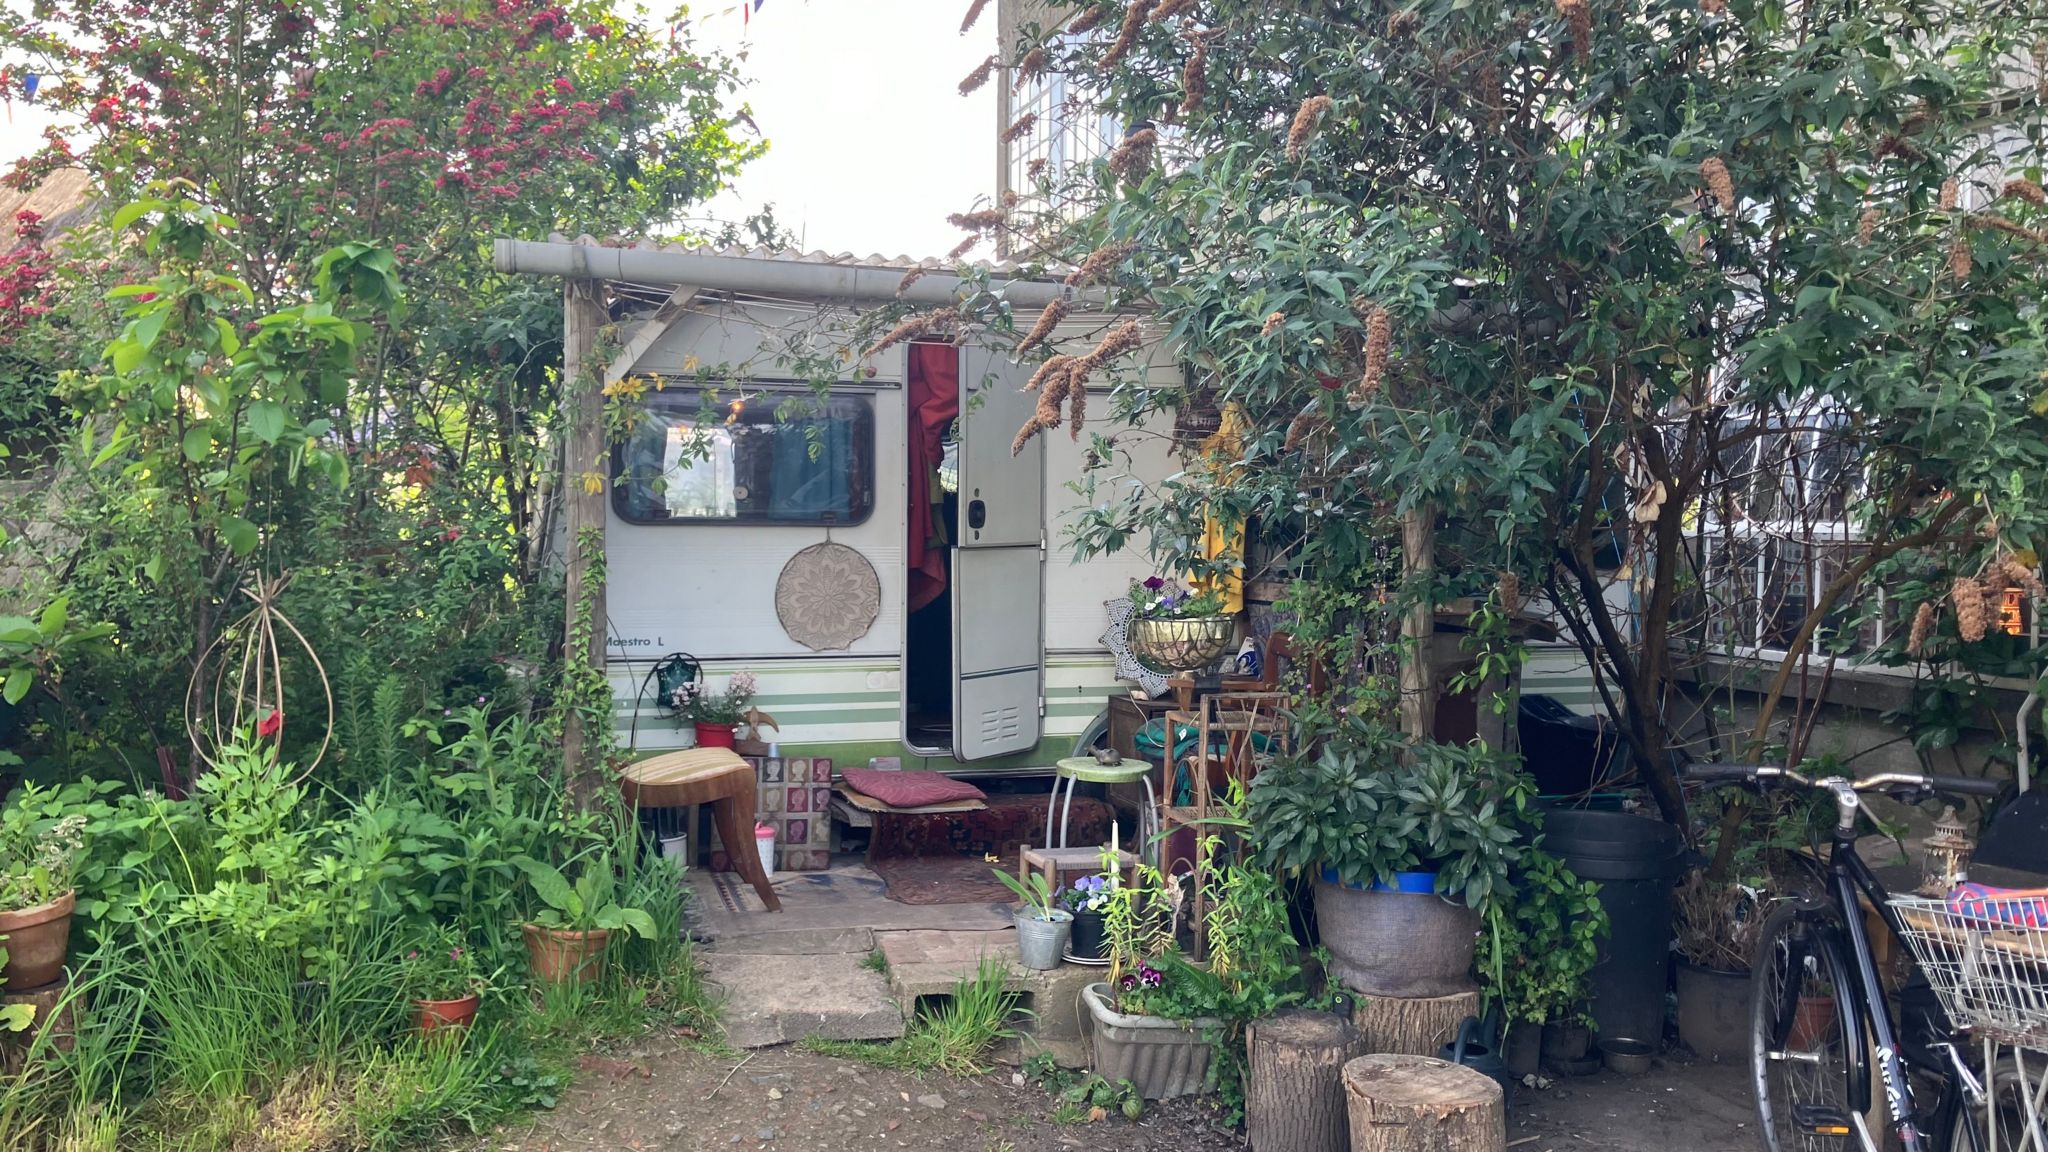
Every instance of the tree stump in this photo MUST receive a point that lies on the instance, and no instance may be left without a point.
(1416, 1026)
(1293, 1090)
(1421, 1104)
(53, 1005)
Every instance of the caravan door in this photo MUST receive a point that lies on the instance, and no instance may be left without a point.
(998, 565)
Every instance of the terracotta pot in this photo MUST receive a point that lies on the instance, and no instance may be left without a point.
(714, 735)
(37, 941)
(560, 954)
(1812, 1023)
(431, 1014)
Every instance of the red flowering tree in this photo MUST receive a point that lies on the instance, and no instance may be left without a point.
(422, 127)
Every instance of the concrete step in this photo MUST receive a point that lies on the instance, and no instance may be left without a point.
(931, 963)
(774, 999)
(797, 942)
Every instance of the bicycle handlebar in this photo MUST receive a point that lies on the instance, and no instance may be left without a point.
(1765, 774)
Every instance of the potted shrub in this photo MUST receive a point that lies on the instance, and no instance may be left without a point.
(1535, 954)
(1041, 928)
(1405, 844)
(36, 896)
(566, 938)
(1715, 926)
(442, 980)
(1173, 629)
(714, 715)
(1088, 900)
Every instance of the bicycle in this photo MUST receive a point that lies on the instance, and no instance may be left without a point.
(1820, 1021)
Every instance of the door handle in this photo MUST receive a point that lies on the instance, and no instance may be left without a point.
(977, 514)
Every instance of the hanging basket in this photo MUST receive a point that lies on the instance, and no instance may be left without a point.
(239, 684)
(1170, 646)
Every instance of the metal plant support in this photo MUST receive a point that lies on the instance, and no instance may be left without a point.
(239, 684)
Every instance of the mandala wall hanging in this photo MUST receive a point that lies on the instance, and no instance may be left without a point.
(827, 597)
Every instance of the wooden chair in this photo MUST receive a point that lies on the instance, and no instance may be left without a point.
(714, 776)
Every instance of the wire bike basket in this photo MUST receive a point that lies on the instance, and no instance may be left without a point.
(1986, 959)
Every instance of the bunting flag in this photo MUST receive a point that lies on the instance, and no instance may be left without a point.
(29, 84)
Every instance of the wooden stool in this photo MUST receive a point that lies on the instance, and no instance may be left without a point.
(1053, 861)
(1088, 770)
(714, 776)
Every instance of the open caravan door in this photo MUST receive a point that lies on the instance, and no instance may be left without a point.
(998, 566)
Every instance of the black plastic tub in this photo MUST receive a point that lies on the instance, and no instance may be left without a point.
(1636, 861)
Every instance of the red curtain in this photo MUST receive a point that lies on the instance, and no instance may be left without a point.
(933, 387)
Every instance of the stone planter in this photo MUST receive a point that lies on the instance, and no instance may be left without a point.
(1713, 1012)
(1395, 943)
(1163, 1058)
(38, 940)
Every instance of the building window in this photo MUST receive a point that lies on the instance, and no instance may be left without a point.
(1781, 528)
(771, 458)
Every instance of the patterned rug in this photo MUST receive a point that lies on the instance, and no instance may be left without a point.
(943, 880)
(943, 858)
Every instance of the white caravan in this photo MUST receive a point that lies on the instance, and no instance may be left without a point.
(776, 533)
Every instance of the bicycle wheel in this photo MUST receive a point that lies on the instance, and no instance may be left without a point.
(1800, 1037)
(2013, 1078)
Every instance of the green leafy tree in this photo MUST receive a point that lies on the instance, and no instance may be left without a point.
(1536, 271)
(396, 466)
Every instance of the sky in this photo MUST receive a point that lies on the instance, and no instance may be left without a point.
(870, 144)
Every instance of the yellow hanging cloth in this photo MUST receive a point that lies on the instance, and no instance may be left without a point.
(1221, 450)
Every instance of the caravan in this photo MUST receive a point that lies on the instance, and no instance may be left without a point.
(875, 553)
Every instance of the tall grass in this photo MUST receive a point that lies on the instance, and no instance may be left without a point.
(953, 1037)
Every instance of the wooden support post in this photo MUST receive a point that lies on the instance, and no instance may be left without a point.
(1418, 623)
(1412, 1025)
(1293, 1084)
(583, 459)
(1421, 1104)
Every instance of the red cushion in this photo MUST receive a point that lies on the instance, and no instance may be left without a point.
(910, 789)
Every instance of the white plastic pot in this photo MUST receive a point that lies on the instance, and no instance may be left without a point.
(764, 843)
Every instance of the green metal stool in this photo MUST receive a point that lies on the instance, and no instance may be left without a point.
(1086, 768)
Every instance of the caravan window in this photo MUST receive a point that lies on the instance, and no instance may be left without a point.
(772, 458)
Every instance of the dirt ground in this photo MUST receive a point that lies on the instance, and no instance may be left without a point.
(662, 1099)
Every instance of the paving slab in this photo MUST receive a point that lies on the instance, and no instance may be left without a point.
(772, 999)
(798, 942)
